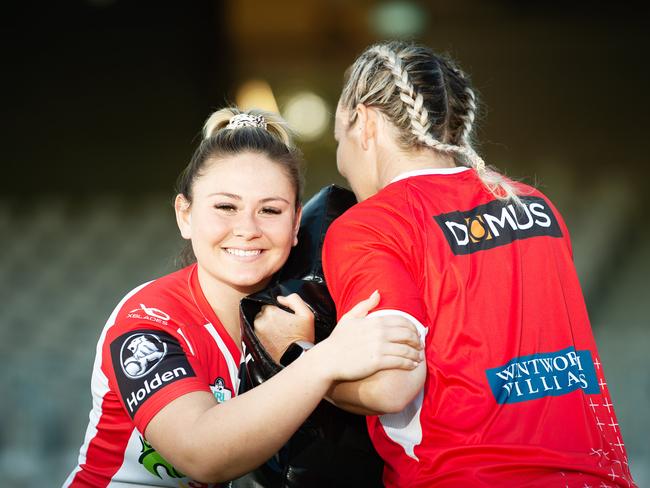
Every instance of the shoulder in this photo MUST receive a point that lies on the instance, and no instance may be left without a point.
(145, 323)
(384, 211)
(532, 194)
(157, 303)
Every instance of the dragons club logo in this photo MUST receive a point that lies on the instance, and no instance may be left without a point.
(141, 353)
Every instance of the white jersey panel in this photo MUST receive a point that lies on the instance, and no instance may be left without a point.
(98, 386)
(233, 367)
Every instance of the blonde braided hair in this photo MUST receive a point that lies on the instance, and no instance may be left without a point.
(377, 92)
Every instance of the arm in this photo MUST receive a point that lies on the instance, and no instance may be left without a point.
(358, 255)
(219, 442)
(213, 443)
(374, 395)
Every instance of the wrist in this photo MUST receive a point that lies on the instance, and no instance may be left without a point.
(294, 351)
(320, 357)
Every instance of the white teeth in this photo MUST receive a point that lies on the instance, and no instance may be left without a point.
(242, 252)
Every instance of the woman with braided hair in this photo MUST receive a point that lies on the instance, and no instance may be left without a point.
(512, 392)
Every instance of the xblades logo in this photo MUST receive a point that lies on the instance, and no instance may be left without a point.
(497, 223)
(150, 313)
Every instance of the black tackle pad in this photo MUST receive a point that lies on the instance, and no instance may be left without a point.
(332, 447)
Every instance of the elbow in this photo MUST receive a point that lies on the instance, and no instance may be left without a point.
(200, 472)
(396, 390)
(391, 403)
(197, 470)
(194, 464)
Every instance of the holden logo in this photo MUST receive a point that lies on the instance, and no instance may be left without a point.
(141, 353)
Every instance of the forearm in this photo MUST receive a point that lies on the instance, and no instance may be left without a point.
(345, 396)
(230, 439)
(384, 392)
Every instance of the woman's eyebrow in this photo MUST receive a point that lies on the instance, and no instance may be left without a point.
(238, 197)
(269, 199)
(224, 194)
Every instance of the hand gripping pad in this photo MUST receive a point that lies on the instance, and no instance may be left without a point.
(332, 447)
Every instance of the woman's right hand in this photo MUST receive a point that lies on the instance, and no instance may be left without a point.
(360, 346)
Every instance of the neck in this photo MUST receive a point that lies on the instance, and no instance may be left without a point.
(224, 301)
(401, 162)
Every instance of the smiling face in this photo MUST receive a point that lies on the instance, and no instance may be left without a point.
(242, 221)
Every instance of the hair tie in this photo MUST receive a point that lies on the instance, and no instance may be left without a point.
(246, 120)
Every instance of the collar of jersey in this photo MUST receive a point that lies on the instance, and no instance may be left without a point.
(430, 171)
(208, 313)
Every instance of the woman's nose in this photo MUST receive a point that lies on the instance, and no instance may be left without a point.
(246, 227)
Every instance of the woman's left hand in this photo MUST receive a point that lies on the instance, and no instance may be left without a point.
(277, 328)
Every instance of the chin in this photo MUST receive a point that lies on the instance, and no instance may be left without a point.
(248, 290)
(251, 285)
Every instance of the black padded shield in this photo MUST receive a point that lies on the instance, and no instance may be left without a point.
(301, 274)
(332, 447)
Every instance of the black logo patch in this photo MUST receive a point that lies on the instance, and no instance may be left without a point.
(144, 362)
(497, 223)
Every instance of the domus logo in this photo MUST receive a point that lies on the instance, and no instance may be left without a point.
(497, 223)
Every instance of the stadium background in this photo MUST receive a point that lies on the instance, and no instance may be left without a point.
(102, 105)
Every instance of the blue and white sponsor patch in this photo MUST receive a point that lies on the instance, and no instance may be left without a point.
(547, 374)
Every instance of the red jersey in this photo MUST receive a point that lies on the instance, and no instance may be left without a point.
(162, 341)
(515, 393)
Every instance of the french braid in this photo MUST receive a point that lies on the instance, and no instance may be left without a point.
(470, 107)
(457, 101)
(418, 114)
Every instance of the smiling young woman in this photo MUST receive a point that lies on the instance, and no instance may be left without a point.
(165, 405)
(242, 223)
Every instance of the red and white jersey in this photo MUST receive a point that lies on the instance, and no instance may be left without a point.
(162, 341)
(515, 393)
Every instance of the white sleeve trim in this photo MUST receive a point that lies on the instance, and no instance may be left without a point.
(422, 330)
(404, 428)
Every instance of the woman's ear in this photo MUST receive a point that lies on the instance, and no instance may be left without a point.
(296, 225)
(367, 120)
(183, 216)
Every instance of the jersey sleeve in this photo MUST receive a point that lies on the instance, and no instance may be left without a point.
(566, 238)
(148, 367)
(565, 230)
(359, 258)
